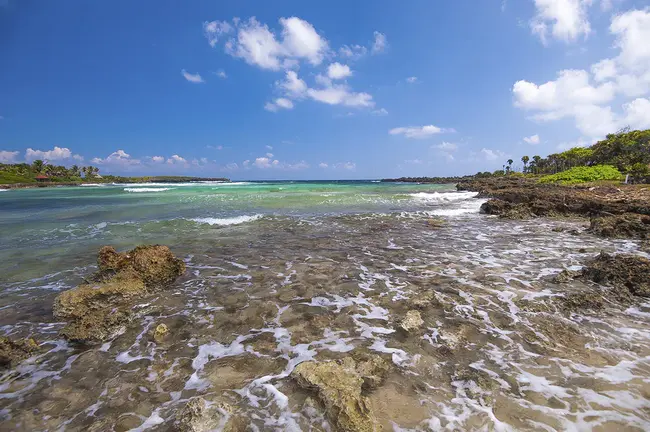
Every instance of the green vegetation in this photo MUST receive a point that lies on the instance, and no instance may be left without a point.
(583, 174)
(39, 171)
(626, 151)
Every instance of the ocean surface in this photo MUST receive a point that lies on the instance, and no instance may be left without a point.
(285, 272)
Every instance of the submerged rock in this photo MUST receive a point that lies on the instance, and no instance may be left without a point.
(339, 388)
(13, 351)
(583, 300)
(411, 322)
(200, 416)
(101, 309)
(627, 225)
(622, 271)
(436, 223)
(566, 275)
(160, 332)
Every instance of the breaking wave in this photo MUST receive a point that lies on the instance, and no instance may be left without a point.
(228, 221)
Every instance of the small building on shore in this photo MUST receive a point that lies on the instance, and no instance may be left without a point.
(42, 178)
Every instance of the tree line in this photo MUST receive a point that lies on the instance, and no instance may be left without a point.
(628, 151)
(26, 173)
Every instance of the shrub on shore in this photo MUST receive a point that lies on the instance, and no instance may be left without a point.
(583, 174)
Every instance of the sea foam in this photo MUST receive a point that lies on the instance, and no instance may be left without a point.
(228, 221)
(146, 189)
(443, 197)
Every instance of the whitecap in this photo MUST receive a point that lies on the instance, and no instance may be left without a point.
(228, 221)
(443, 197)
(92, 185)
(146, 189)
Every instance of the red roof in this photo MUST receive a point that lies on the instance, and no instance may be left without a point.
(41, 177)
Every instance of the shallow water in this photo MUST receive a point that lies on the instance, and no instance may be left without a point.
(282, 273)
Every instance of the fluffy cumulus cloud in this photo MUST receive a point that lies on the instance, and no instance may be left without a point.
(592, 97)
(157, 159)
(176, 160)
(412, 79)
(8, 156)
(117, 158)
(533, 139)
(446, 149)
(193, 78)
(268, 162)
(380, 112)
(349, 166)
(296, 43)
(338, 71)
(258, 45)
(564, 20)
(418, 131)
(323, 165)
(326, 92)
(56, 154)
(221, 74)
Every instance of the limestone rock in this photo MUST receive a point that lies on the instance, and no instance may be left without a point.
(622, 271)
(101, 309)
(566, 275)
(198, 415)
(14, 351)
(160, 332)
(411, 322)
(339, 388)
(627, 225)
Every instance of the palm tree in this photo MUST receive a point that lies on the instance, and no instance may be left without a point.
(537, 160)
(37, 165)
(525, 160)
(74, 171)
(509, 168)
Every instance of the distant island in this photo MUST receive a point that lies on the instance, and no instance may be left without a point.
(436, 180)
(42, 174)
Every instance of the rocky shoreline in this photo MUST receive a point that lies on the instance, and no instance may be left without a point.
(615, 211)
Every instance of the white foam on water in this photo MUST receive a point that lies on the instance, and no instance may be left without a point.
(92, 185)
(4, 190)
(469, 207)
(442, 197)
(146, 189)
(228, 221)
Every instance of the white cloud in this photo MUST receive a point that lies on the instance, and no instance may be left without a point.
(301, 40)
(637, 114)
(322, 165)
(412, 80)
(265, 162)
(380, 112)
(353, 52)
(176, 160)
(8, 156)
(269, 147)
(413, 162)
(221, 74)
(338, 71)
(350, 166)
(418, 131)
(379, 45)
(294, 86)
(269, 155)
(158, 159)
(585, 96)
(120, 158)
(214, 30)
(340, 95)
(258, 45)
(533, 139)
(246, 163)
(492, 155)
(57, 153)
(567, 19)
(274, 106)
(284, 103)
(193, 78)
(446, 146)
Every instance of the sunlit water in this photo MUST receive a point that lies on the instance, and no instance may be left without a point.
(281, 273)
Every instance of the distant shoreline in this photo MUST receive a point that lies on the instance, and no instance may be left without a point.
(140, 180)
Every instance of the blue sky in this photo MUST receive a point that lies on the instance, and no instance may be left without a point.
(313, 90)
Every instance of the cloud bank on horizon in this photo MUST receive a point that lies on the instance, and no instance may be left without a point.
(303, 93)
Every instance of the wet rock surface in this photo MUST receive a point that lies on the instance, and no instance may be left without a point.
(104, 307)
(628, 225)
(13, 351)
(521, 198)
(622, 271)
(339, 387)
